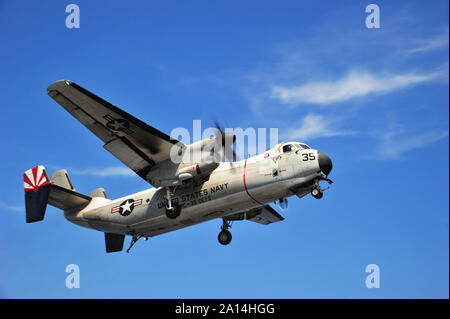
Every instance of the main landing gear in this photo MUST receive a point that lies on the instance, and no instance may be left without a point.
(173, 209)
(225, 236)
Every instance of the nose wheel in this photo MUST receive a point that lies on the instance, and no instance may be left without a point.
(225, 236)
(317, 193)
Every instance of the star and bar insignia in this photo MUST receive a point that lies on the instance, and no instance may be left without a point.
(126, 208)
(118, 125)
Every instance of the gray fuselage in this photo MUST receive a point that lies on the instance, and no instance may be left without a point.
(231, 188)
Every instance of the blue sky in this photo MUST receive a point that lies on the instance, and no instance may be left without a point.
(374, 100)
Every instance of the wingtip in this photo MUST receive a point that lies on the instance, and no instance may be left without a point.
(58, 84)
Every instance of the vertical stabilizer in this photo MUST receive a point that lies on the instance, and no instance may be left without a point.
(37, 189)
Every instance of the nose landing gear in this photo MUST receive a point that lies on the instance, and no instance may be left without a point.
(317, 193)
(225, 236)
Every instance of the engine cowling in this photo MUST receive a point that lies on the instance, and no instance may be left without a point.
(188, 172)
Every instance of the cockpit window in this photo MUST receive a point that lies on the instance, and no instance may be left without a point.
(304, 146)
(287, 148)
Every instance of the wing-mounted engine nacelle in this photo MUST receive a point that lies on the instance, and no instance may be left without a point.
(212, 149)
(191, 171)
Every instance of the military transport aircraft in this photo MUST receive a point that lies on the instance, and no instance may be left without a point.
(185, 192)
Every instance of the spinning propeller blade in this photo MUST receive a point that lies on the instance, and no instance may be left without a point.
(226, 142)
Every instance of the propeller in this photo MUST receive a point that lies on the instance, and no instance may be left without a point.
(283, 204)
(225, 141)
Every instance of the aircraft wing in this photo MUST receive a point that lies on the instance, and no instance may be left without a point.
(263, 215)
(135, 143)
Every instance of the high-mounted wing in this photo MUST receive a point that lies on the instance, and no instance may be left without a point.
(133, 142)
(263, 215)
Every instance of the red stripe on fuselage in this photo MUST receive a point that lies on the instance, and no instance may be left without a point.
(245, 184)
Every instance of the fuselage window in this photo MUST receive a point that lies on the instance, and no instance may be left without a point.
(287, 148)
(304, 146)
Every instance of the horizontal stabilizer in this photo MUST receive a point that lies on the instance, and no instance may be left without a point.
(66, 199)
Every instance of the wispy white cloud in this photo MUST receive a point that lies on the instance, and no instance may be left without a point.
(395, 143)
(354, 84)
(434, 43)
(104, 172)
(316, 126)
(12, 207)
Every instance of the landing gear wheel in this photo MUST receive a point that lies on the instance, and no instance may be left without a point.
(173, 211)
(224, 237)
(317, 193)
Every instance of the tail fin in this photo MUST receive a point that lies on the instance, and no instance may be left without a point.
(37, 190)
(57, 191)
(114, 242)
(61, 178)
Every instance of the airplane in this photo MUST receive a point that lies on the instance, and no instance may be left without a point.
(184, 192)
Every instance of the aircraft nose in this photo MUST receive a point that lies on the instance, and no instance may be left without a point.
(325, 163)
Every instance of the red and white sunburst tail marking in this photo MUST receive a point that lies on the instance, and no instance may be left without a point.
(37, 190)
(35, 178)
